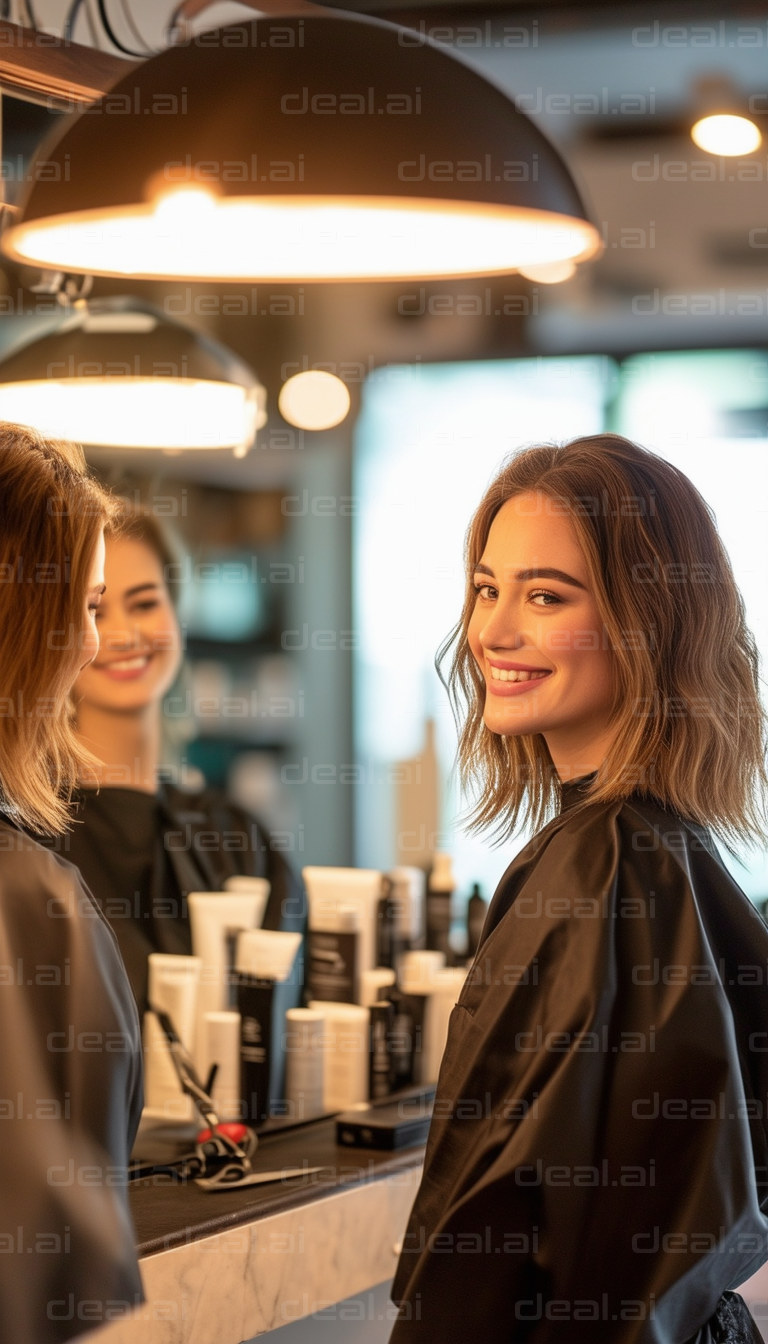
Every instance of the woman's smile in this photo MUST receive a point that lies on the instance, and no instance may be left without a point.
(514, 678)
(126, 668)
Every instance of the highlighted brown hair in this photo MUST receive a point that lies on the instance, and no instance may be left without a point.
(690, 730)
(51, 515)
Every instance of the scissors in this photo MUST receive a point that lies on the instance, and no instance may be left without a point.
(223, 1149)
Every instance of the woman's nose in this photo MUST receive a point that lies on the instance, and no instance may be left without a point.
(500, 630)
(117, 637)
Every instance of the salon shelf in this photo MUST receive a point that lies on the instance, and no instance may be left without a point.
(167, 1213)
(232, 1265)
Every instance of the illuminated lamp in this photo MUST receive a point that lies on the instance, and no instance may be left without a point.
(727, 134)
(314, 400)
(722, 123)
(320, 148)
(549, 273)
(118, 373)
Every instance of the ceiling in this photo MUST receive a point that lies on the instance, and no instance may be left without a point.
(615, 87)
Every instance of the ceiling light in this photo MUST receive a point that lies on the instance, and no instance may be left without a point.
(550, 273)
(314, 400)
(334, 147)
(118, 373)
(724, 133)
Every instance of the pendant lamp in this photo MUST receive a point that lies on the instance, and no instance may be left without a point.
(319, 148)
(119, 373)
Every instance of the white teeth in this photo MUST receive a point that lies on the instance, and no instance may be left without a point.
(505, 674)
(130, 664)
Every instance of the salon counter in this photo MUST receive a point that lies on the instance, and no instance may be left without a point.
(221, 1268)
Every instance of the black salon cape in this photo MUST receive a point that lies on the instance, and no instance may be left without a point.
(70, 1101)
(596, 1164)
(142, 854)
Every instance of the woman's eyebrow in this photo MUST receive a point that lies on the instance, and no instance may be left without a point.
(139, 588)
(523, 575)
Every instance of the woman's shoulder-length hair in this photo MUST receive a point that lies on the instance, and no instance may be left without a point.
(51, 515)
(690, 728)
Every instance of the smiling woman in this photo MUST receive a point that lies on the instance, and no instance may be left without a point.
(653, 673)
(142, 840)
(602, 666)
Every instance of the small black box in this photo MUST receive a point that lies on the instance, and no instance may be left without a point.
(385, 1126)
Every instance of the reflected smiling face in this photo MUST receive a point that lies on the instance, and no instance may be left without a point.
(538, 638)
(140, 645)
(88, 646)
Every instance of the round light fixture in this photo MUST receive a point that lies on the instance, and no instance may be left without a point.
(549, 273)
(119, 373)
(314, 400)
(333, 147)
(725, 133)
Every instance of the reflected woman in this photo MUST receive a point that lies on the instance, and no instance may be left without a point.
(143, 844)
(70, 1046)
(597, 1169)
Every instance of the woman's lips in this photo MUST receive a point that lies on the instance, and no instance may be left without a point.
(508, 688)
(126, 669)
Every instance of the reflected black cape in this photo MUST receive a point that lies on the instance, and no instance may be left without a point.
(191, 842)
(596, 1164)
(70, 1101)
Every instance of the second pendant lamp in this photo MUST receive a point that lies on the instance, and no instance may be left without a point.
(118, 373)
(319, 148)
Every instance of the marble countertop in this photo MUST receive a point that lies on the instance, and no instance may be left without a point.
(227, 1266)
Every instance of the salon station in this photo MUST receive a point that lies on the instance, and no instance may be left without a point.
(299, 278)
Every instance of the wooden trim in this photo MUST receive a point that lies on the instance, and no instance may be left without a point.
(46, 69)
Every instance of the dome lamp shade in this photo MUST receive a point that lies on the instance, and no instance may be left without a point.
(320, 148)
(118, 373)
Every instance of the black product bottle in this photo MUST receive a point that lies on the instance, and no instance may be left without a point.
(477, 909)
(402, 1041)
(380, 1071)
(440, 887)
(388, 938)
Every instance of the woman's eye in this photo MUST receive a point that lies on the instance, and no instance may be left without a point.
(149, 605)
(486, 591)
(548, 599)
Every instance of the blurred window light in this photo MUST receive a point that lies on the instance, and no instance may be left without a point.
(707, 413)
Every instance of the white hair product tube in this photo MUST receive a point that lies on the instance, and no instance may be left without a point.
(345, 1053)
(303, 1042)
(408, 893)
(172, 989)
(222, 1048)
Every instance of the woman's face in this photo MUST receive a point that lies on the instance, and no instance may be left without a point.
(536, 633)
(88, 644)
(139, 648)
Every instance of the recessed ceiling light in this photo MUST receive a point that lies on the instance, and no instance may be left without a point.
(314, 400)
(725, 133)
